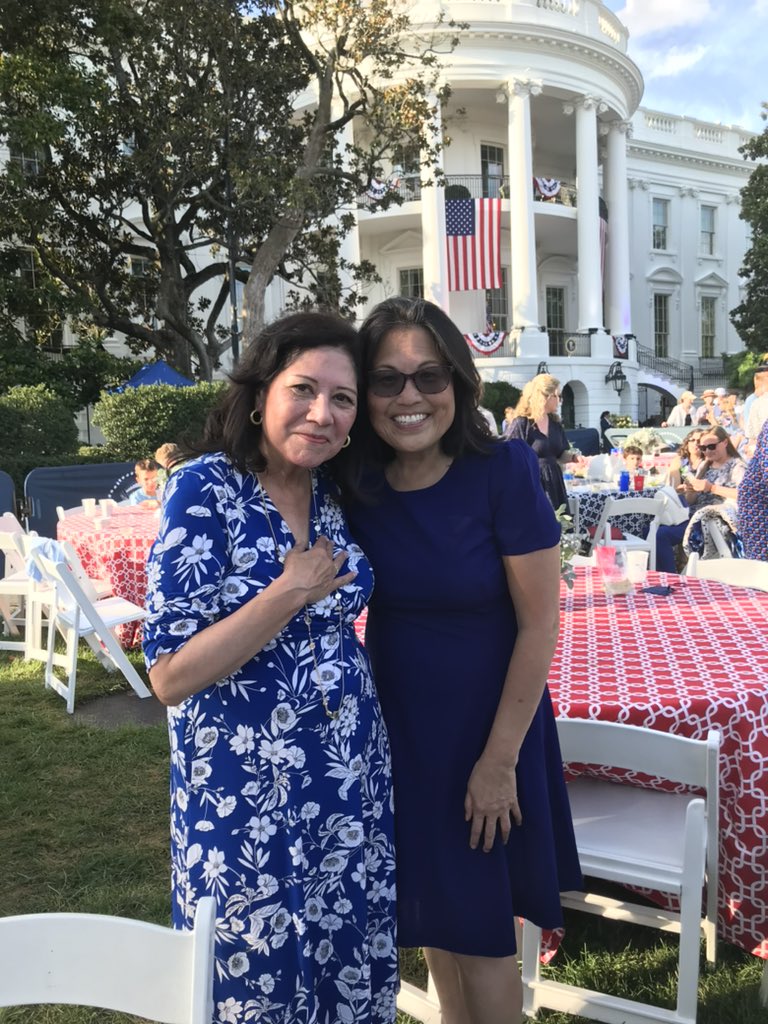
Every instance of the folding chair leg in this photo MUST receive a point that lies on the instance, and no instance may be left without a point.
(117, 654)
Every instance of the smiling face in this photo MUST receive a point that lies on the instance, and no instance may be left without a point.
(308, 409)
(411, 422)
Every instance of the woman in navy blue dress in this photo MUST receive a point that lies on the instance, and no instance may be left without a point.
(461, 631)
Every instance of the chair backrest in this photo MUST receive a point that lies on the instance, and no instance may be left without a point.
(70, 593)
(737, 572)
(112, 963)
(78, 571)
(12, 560)
(637, 749)
(651, 507)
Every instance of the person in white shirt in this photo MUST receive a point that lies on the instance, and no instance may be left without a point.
(681, 415)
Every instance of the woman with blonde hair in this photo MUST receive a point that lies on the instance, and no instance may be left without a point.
(536, 422)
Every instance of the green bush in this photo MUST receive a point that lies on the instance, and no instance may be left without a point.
(38, 429)
(497, 395)
(135, 422)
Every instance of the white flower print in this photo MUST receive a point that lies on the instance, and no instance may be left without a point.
(323, 951)
(350, 975)
(194, 853)
(214, 865)
(238, 964)
(229, 1010)
(182, 627)
(351, 835)
(294, 757)
(310, 810)
(206, 737)
(272, 750)
(204, 826)
(297, 854)
(201, 770)
(233, 588)
(283, 717)
(225, 806)
(281, 920)
(261, 829)
(192, 557)
(314, 908)
(332, 863)
(342, 906)
(244, 558)
(268, 886)
(266, 983)
(331, 922)
(243, 740)
(381, 945)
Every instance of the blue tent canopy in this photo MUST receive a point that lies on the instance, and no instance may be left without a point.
(157, 373)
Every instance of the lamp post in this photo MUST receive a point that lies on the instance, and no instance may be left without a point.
(542, 367)
(616, 377)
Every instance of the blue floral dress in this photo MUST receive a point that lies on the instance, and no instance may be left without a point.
(280, 812)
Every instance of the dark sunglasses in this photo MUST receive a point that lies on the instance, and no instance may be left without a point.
(709, 447)
(430, 380)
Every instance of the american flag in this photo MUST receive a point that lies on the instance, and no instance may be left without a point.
(473, 237)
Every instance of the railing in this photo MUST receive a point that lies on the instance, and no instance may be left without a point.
(569, 343)
(673, 369)
(458, 186)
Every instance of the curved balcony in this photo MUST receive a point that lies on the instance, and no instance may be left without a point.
(398, 190)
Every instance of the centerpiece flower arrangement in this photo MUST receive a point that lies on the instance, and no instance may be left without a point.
(647, 439)
(570, 545)
(622, 421)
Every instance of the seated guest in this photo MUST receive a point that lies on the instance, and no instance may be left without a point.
(687, 460)
(752, 501)
(146, 471)
(633, 458)
(716, 480)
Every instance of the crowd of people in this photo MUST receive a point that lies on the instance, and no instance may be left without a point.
(339, 800)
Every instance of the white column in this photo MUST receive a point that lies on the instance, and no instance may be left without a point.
(434, 252)
(522, 235)
(618, 311)
(349, 244)
(588, 215)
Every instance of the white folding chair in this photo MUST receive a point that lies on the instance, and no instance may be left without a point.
(737, 572)
(614, 507)
(111, 963)
(663, 841)
(76, 616)
(62, 513)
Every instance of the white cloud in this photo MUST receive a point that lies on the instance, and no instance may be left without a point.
(643, 17)
(673, 61)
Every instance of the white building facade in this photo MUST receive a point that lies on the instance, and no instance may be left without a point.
(543, 91)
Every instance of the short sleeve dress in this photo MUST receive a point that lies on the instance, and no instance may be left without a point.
(548, 449)
(279, 812)
(440, 633)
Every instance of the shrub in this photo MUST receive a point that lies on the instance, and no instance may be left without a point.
(135, 422)
(497, 395)
(38, 429)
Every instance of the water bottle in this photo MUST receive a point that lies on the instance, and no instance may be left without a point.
(624, 480)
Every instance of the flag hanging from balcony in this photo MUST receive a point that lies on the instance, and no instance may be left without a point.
(473, 238)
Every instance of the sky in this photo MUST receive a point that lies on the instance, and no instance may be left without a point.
(702, 58)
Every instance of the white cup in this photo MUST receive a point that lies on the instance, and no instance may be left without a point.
(105, 506)
(100, 522)
(637, 566)
(89, 506)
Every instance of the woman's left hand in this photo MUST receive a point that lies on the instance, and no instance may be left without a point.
(491, 801)
(697, 484)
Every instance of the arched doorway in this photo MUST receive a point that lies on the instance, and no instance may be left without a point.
(568, 407)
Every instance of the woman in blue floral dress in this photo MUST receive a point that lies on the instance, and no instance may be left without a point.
(280, 773)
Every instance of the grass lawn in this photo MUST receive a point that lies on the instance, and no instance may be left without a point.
(84, 826)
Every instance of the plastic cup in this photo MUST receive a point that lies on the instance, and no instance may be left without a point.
(606, 558)
(624, 480)
(89, 506)
(637, 566)
(105, 507)
(639, 482)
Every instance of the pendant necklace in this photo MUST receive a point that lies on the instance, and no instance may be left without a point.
(329, 712)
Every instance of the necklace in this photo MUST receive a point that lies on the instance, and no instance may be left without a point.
(332, 714)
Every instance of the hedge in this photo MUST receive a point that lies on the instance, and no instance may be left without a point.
(39, 430)
(135, 422)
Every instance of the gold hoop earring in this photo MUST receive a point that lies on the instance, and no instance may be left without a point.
(255, 417)
(347, 442)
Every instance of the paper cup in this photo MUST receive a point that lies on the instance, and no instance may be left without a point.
(637, 566)
(105, 506)
(89, 506)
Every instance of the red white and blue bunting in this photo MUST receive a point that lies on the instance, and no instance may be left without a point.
(620, 346)
(548, 188)
(486, 343)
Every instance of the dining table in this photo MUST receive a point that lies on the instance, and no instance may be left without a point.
(685, 661)
(115, 548)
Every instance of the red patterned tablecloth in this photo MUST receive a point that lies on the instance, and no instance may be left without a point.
(694, 660)
(117, 551)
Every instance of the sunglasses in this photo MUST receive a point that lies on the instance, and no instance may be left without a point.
(430, 380)
(709, 447)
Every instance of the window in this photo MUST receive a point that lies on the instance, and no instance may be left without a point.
(661, 325)
(31, 161)
(141, 271)
(660, 223)
(412, 283)
(707, 245)
(555, 303)
(39, 317)
(497, 305)
(406, 158)
(708, 305)
(492, 169)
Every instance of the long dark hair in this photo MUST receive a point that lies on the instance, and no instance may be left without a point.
(722, 435)
(469, 431)
(229, 428)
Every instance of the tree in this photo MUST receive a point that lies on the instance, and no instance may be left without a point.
(750, 317)
(159, 145)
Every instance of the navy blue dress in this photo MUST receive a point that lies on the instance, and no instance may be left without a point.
(441, 630)
(548, 449)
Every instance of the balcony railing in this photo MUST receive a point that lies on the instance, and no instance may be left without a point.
(569, 343)
(672, 369)
(458, 186)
